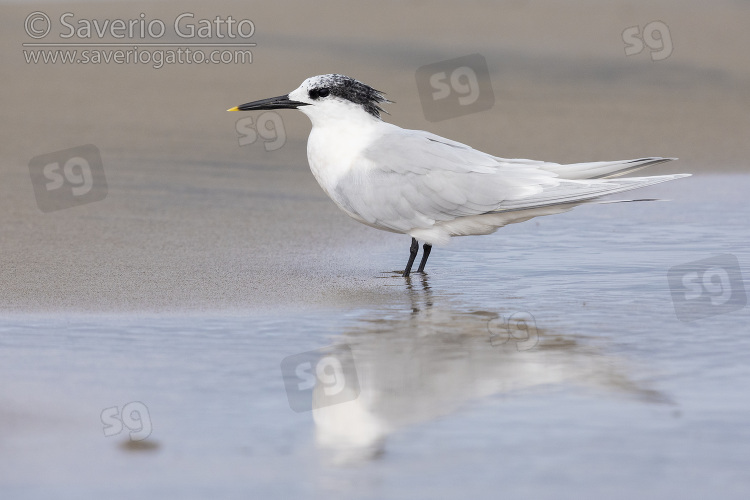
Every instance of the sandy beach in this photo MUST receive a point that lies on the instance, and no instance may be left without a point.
(192, 221)
(185, 314)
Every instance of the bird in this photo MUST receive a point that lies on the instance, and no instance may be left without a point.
(428, 187)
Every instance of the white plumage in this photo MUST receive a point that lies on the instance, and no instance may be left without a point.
(429, 187)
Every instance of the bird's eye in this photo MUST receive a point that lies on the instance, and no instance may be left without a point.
(315, 93)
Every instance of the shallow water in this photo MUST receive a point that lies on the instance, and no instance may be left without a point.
(594, 386)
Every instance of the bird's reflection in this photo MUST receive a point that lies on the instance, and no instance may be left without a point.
(420, 293)
(415, 366)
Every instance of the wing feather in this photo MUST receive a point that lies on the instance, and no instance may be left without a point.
(410, 180)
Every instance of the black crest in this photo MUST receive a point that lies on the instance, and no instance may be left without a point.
(351, 90)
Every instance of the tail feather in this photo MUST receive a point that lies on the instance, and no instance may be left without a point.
(601, 169)
(579, 191)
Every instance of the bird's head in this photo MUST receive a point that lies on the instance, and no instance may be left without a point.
(326, 97)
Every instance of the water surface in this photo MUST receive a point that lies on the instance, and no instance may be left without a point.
(602, 391)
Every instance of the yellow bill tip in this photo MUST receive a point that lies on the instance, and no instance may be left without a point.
(234, 109)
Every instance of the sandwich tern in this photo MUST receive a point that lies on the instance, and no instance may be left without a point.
(429, 187)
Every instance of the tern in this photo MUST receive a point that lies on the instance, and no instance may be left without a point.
(429, 187)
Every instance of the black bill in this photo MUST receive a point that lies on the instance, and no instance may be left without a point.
(280, 102)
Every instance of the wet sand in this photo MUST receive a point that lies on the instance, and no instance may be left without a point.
(606, 393)
(192, 222)
(209, 265)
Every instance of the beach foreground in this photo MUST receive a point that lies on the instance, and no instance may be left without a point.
(193, 221)
(203, 322)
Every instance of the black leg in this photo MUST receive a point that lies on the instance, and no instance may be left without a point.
(412, 255)
(425, 255)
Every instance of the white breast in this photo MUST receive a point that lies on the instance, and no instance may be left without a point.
(334, 148)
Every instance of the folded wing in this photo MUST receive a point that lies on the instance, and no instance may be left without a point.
(410, 179)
